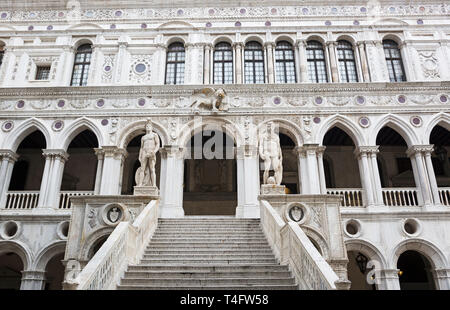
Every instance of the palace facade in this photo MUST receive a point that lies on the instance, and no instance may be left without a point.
(359, 92)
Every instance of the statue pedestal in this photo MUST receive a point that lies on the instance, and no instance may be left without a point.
(272, 189)
(146, 191)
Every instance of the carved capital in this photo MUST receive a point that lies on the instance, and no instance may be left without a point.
(9, 155)
(366, 150)
(238, 45)
(114, 151)
(309, 149)
(415, 149)
(56, 154)
(300, 43)
(172, 151)
(331, 44)
(162, 45)
(269, 44)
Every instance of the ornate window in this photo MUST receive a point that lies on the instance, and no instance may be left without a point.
(81, 65)
(284, 63)
(42, 73)
(223, 63)
(176, 56)
(346, 60)
(394, 61)
(317, 69)
(254, 63)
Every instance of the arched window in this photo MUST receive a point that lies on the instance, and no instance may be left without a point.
(223, 63)
(317, 69)
(81, 65)
(285, 63)
(175, 63)
(346, 60)
(254, 63)
(394, 61)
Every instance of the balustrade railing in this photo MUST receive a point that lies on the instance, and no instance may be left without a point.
(64, 199)
(400, 197)
(351, 197)
(22, 199)
(444, 195)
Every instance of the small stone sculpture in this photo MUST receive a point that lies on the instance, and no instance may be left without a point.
(146, 175)
(270, 153)
(211, 99)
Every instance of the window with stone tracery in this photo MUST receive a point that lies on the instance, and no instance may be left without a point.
(346, 61)
(176, 56)
(254, 63)
(223, 63)
(81, 65)
(394, 61)
(317, 69)
(285, 63)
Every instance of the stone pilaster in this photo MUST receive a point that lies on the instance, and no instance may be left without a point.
(112, 170)
(248, 181)
(238, 47)
(209, 52)
(361, 52)
(333, 63)
(270, 46)
(171, 181)
(303, 62)
(310, 170)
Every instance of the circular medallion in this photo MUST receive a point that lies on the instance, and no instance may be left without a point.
(113, 214)
(401, 99)
(316, 120)
(140, 68)
(237, 24)
(100, 103)
(242, 11)
(328, 23)
(318, 100)
(180, 12)
(360, 100)
(211, 11)
(296, 213)
(143, 26)
(420, 22)
(49, 27)
(356, 23)
(107, 68)
(4, 15)
(273, 11)
(443, 98)
(7, 126)
(268, 24)
(416, 121)
(141, 102)
(61, 103)
(277, 100)
(112, 26)
(20, 104)
(104, 122)
(118, 13)
(305, 10)
(364, 122)
(208, 24)
(30, 28)
(58, 125)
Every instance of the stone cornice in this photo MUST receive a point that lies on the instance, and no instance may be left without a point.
(366, 150)
(57, 153)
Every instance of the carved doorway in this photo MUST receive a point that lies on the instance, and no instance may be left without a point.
(210, 186)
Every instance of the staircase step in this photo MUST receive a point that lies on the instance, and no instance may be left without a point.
(186, 268)
(209, 261)
(214, 251)
(207, 256)
(208, 282)
(206, 275)
(224, 288)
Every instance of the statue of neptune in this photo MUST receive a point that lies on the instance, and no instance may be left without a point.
(146, 175)
(270, 153)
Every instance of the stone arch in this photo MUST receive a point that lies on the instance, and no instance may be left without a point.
(175, 24)
(46, 254)
(286, 127)
(428, 249)
(366, 248)
(91, 241)
(315, 235)
(286, 38)
(23, 130)
(192, 128)
(17, 248)
(441, 119)
(394, 37)
(137, 128)
(347, 37)
(82, 41)
(222, 38)
(175, 39)
(255, 38)
(344, 124)
(77, 127)
(85, 26)
(317, 37)
(399, 125)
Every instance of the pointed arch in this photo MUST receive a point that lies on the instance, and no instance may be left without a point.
(47, 253)
(442, 119)
(17, 248)
(344, 124)
(92, 240)
(77, 127)
(137, 128)
(424, 247)
(14, 139)
(399, 125)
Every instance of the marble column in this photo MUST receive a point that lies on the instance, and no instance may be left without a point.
(270, 61)
(69, 59)
(113, 161)
(303, 61)
(238, 47)
(430, 175)
(33, 280)
(98, 177)
(365, 172)
(333, 63)
(52, 178)
(309, 168)
(363, 60)
(95, 67)
(8, 158)
(420, 173)
(376, 178)
(248, 181)
(207, 65)
(171, 181)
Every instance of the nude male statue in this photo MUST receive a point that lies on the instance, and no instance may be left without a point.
(270, 153)
(146, 175)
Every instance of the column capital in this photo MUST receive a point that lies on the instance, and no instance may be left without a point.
(246, 150)
(208, 46)
(389, 273)
(162, 45)
(114, 151)
(366, 149)
(414, 149)
(172, 151)
(360, 43)
(331, 43)
(238, 45)
(301, 43)
(9, 154)
(306, 149)
(56, 153)
(269, 44)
